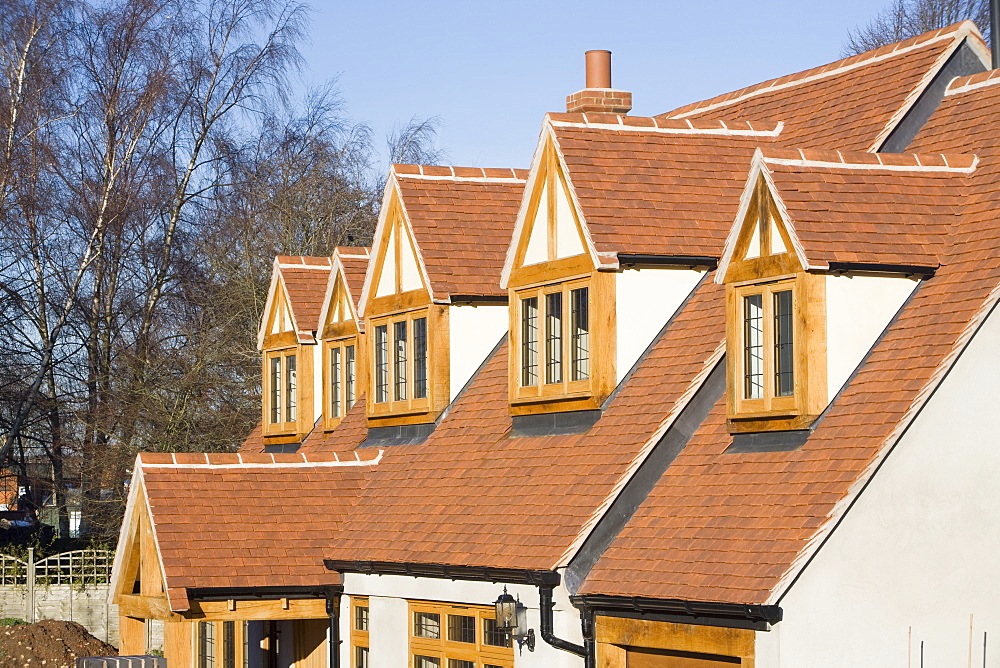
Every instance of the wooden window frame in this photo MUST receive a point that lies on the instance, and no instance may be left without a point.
(239, 644)
(359, 638)
(410, 405)
(330, 421)
(285, 426)
(445, 649)
(771, 412)
(566, 394)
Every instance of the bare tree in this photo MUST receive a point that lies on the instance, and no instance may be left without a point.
(908, 18)
(414, 143)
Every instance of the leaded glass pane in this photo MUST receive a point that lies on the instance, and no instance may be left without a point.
(420, 358)
(580, 329)
(784, 358)
(753, 347)
(529, 342)
(553, 337)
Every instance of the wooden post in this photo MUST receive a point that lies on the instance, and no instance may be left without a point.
(131, 636)
(178, 644)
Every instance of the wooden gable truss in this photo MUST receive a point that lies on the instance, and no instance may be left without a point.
(550, 238)
(278, 327)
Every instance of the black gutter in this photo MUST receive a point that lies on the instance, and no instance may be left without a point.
(545, 605)
(478, 300)
(875, 268)
(638, 260)
(707, 613)
(261, 593)
(447, 572)
(333, 609)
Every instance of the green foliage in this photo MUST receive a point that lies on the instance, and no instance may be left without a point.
(11, 621)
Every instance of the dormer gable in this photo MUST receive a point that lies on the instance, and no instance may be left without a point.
(550, 233)
(397, 276)
(825, 249)
(343, 357)
(137, 577)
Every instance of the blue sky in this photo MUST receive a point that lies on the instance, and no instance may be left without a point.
(490, 70)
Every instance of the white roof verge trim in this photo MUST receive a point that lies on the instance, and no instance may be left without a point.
(338, 463)
(724, 131)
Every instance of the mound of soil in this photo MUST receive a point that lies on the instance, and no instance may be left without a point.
(51, 643)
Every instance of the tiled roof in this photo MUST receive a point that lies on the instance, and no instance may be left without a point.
(348, 434)
(241, 520)
(870, 208)
(355, 263)
(255, 441)
(657, 186)
(739, 527)
(846, 104)
(462, 219)
(451, 497)
(305, 281)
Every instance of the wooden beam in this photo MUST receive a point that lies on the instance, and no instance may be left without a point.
(131, 635)
(266, 609)
(678, 637)
(178, 644)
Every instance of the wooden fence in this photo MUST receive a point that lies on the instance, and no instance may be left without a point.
(71, 585)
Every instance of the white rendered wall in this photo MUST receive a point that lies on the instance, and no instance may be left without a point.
(858, 308)
(474, 332)
(388, 620)
(646, 298)
(916, 559)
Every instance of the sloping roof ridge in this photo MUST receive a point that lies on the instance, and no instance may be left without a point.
(454, 173)
(623, 123)
(244, 460)
(963, 163)
(972, 82)
(954, 31)
(323, 262)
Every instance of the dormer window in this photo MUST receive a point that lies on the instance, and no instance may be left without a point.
(776, 324)
(565, 330)
(400, 359)
(281, 389)
(343, 380)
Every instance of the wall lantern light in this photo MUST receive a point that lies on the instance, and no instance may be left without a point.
(512, 618)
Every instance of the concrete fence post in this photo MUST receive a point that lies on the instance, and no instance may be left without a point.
(30, 598)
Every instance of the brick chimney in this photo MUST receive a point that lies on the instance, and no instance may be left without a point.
(599, 96)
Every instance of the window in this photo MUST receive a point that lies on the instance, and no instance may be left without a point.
(420, 358)
(427, 625)
(399, 369)
(361, 618)
(382, 363)
(779, 376)
(206, 645)
(359, 632)
(493, 636)
(529, 342)
(580, 332)
(402, 364)
(281, 390)
(290, 388)
(457, 636)
(554, 361)
(222, 644)
(461, 628)
(341, 381)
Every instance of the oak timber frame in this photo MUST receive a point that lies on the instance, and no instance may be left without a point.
(765, 274)
(559, 274)
(139, 591)
(445, 648)
(403, 306)
(618, 637)
(340, 334)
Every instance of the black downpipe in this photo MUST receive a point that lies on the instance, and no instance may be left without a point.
(995, 32)
(333, 609)
(545, 605)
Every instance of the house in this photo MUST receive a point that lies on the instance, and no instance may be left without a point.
(704, 389)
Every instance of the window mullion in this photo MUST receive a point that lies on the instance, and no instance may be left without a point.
(767, 308)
